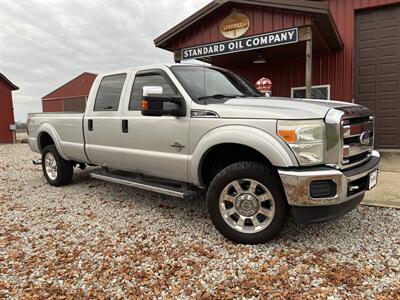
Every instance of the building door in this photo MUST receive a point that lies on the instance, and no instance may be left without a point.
(74, 104)
(377, 71)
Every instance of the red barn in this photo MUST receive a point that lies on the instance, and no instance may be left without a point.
(7, 123)
(70, 96)
(334, 49)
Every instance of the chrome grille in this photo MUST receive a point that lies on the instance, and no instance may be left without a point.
(357, 133)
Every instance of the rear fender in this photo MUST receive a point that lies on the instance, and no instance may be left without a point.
(47, 128)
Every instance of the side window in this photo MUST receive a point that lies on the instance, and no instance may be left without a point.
(142, 80)
(109, 93)
(317, 92)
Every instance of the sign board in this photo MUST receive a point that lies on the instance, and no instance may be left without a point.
(235, 25)
(264, 85)
(12, 127)
(265, 40)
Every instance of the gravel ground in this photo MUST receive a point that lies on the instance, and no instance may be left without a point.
(100, 240)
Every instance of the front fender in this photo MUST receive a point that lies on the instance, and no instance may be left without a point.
(47, 128)
(252, 137)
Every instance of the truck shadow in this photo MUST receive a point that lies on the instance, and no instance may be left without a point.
(193, 214)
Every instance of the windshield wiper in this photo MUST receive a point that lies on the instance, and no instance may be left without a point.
(220, 96)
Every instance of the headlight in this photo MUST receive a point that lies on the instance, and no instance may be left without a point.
(306, 138)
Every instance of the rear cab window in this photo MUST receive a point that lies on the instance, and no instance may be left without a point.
(109, 93)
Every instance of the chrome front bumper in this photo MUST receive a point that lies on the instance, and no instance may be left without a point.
(296, 183)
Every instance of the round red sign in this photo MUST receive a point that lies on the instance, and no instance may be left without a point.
(264, 85)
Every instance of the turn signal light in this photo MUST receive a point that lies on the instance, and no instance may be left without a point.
(145, 105)
(288, 136)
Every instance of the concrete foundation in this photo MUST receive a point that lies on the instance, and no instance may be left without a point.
(387, 192)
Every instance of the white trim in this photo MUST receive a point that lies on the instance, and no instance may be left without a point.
(328, 86)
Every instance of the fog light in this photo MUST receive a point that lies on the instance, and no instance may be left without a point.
(323, 189)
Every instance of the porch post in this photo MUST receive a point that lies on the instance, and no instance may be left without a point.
(308, 67)
(177, 56)
(305, 34)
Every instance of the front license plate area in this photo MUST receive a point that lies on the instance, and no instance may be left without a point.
(373, 179)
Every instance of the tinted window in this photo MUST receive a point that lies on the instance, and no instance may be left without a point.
(204, 82)
(148, 80)
(109, 93)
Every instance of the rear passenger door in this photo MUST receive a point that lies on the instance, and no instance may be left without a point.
(103, 122)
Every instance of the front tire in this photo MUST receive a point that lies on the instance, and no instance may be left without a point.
(246, 203)
(56, 170)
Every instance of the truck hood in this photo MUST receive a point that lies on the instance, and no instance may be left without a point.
(275, 108)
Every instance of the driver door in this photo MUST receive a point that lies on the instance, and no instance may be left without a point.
(155, 145)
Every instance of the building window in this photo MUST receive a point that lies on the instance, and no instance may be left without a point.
(317, 92)
(109, 93)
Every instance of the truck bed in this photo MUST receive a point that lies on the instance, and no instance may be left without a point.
(66, 129)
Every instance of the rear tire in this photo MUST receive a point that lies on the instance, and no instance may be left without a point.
(246, 203)
(56, 170)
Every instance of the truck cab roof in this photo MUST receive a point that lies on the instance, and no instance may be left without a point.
(148, 67)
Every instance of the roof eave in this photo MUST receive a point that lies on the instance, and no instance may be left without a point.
(331, 34)
(12, 85)
(159, 41)
(320, 9)
(45, 97)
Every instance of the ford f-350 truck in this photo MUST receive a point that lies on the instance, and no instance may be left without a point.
(179, 129)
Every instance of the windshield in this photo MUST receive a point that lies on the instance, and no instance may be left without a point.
(207, 84)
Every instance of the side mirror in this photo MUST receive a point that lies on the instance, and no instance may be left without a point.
(155, 104)
(152, 90)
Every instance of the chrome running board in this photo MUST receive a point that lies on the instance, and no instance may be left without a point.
(174, 189)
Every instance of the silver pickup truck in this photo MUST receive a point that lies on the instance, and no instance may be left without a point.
(182, 129)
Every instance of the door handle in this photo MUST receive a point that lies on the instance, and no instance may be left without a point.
(90, 125)
(125, 126)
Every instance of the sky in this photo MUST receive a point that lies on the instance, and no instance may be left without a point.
(44, 44)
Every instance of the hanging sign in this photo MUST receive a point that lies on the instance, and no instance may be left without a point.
(235, 25)
(265, 40)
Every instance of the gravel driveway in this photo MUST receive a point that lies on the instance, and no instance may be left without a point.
(102, 240)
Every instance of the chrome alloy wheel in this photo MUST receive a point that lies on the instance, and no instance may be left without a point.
(247, 205)
(50, 166)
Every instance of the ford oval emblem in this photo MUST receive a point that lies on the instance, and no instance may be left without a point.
(364, 138)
